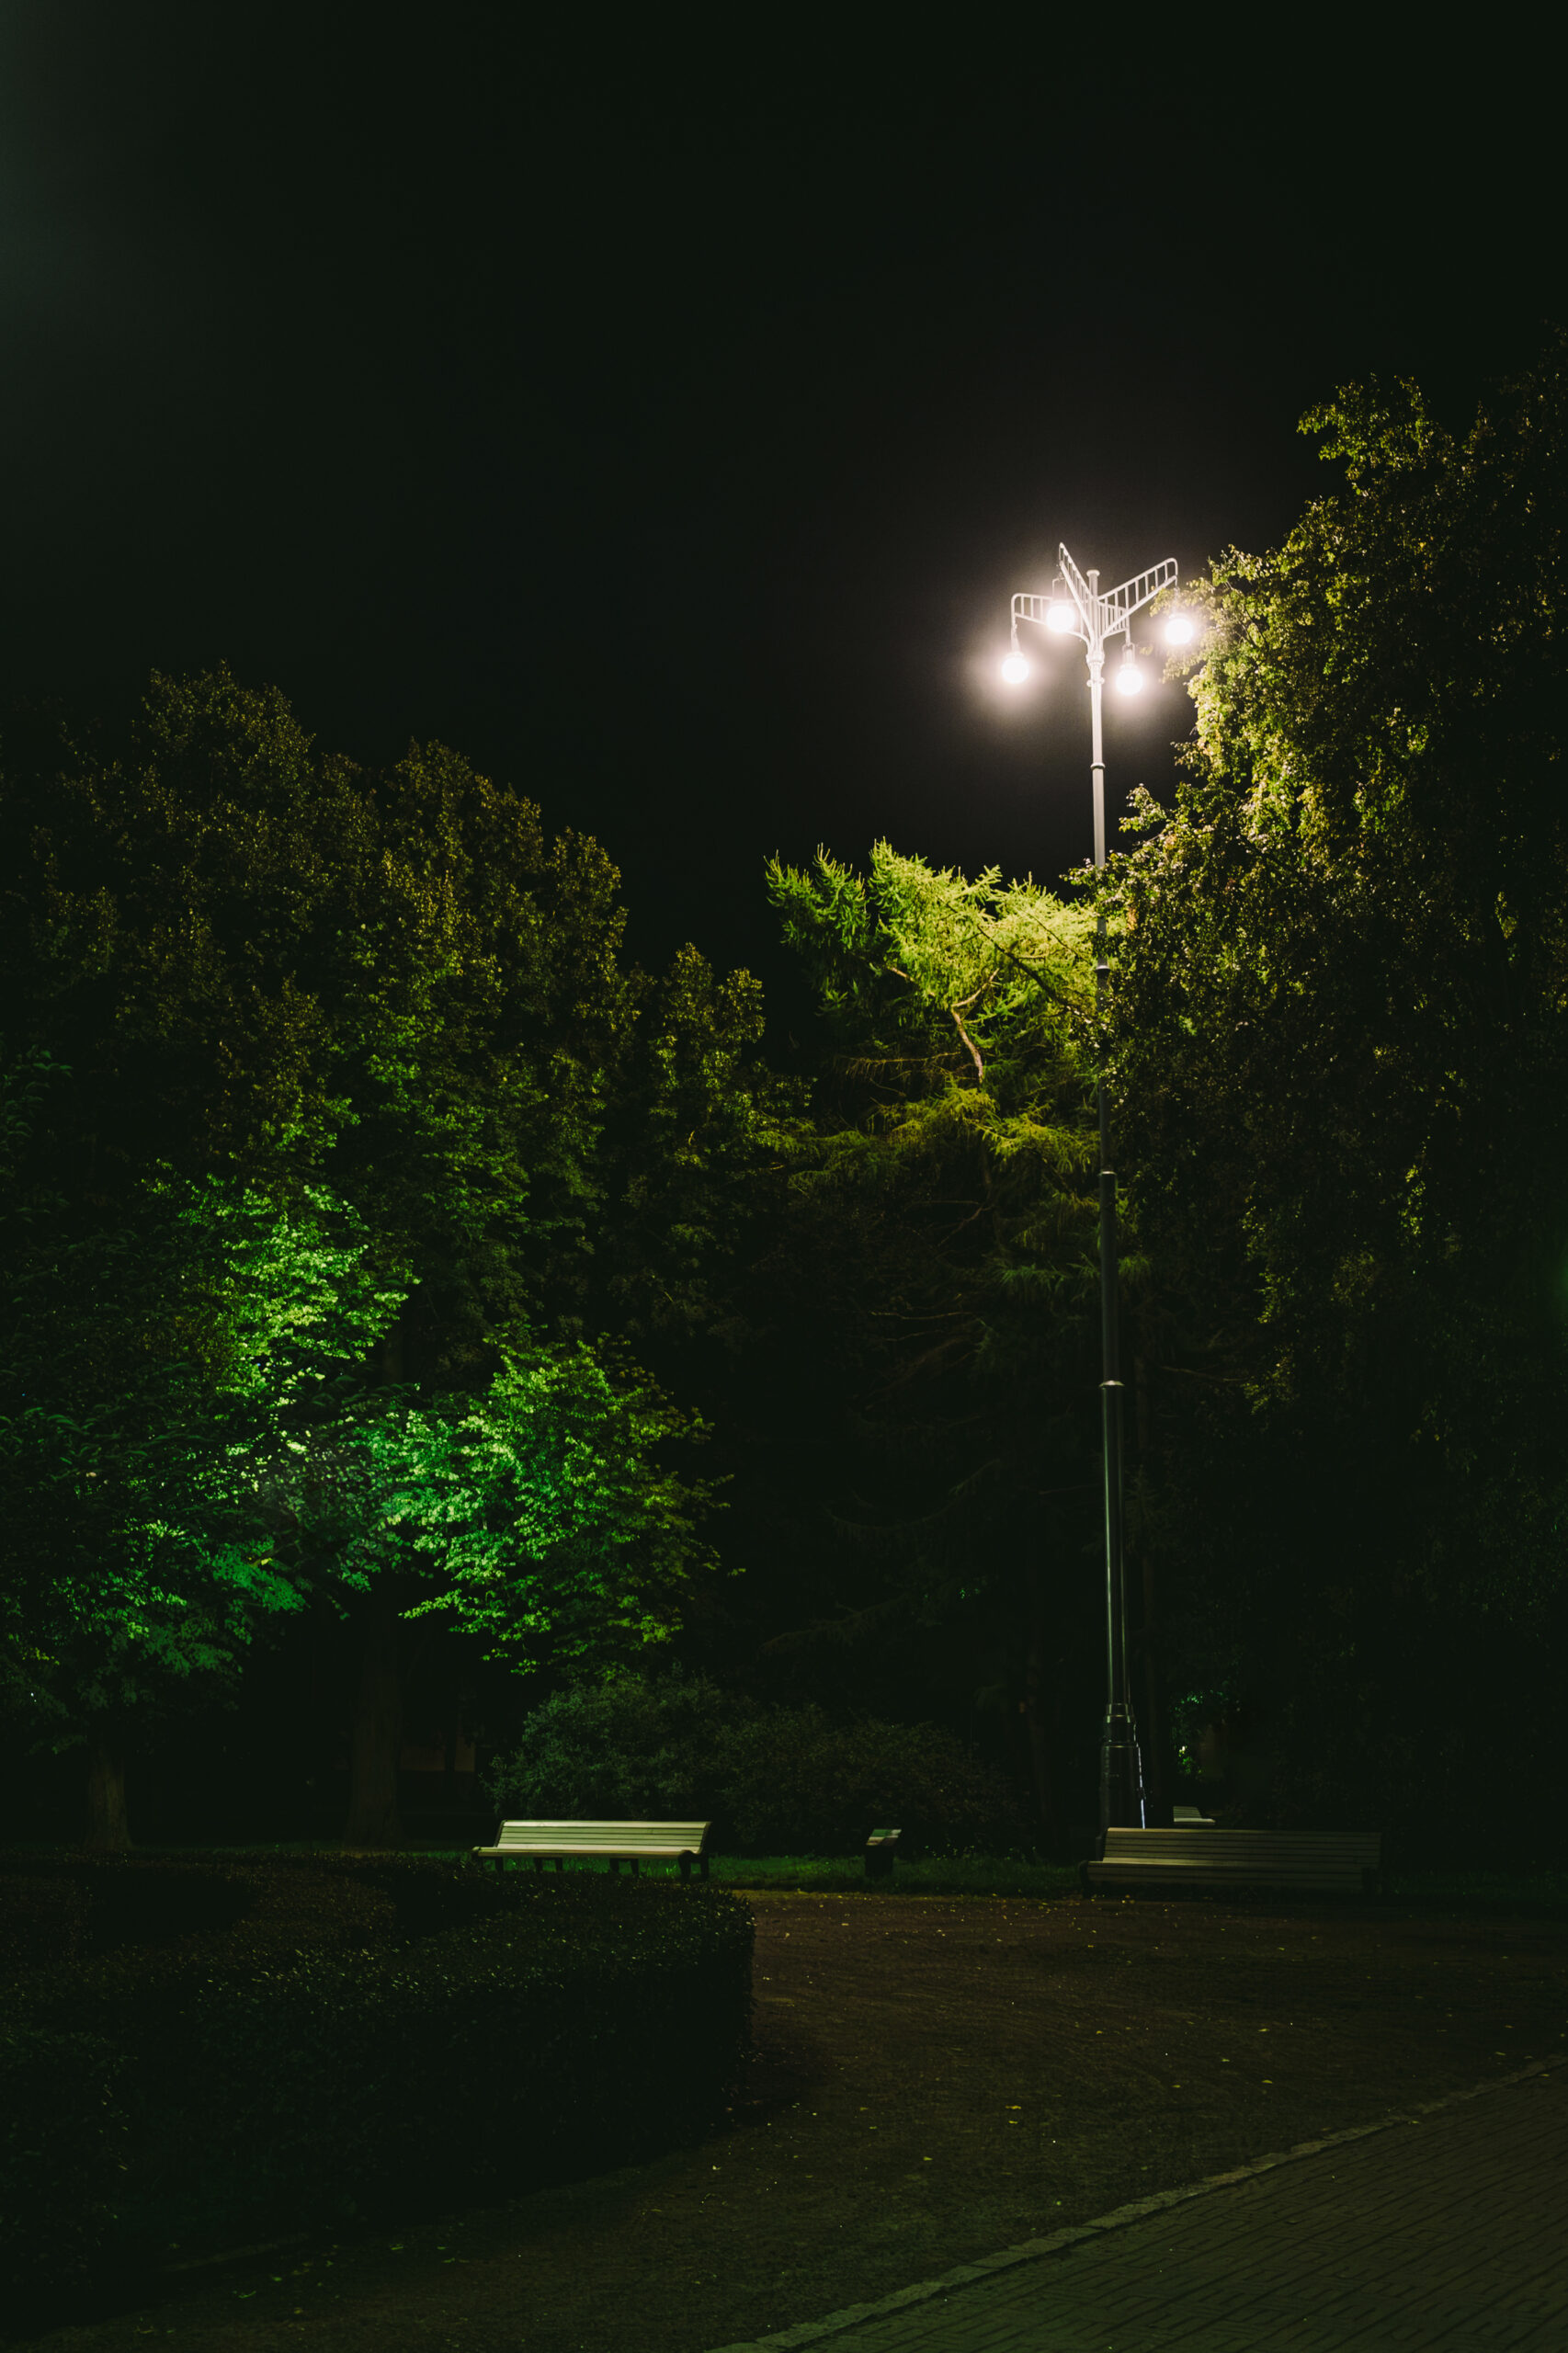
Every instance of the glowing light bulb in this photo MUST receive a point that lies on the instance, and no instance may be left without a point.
(1060, 616)
(1015, 669)
(1130, 677)
(1178, 629)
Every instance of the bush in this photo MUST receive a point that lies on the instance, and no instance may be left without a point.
(772, 1779)
(791, 1779)
(63, 2129)
(328, 2023)
(620, 1751)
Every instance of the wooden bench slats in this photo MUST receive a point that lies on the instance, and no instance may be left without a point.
(612, 1842)
(1347, 1860)
(1278, 1874)
(1197, 1841)
(604, 1833)
(566, 1847)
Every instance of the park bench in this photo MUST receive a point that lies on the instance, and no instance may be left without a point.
(1342, 1862)
(617, 1842)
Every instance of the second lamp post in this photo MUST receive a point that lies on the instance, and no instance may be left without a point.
(1076, 608)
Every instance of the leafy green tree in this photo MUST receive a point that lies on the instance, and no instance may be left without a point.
(261, 963)
(935, 1266)
(259, 959)
(1342, 1066)
(540, 1515)
(156, 1357)
(697, 1148)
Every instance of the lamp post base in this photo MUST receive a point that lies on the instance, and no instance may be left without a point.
(1122, 1774)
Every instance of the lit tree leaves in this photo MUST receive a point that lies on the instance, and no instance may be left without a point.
(159, 1354)
(537, 1515)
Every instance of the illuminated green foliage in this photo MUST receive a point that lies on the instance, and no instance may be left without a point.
(536, 1514)
(356, 1126)
(935, 1261)
(259, 959)
(158, 1352)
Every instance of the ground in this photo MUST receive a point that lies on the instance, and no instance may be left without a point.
(934, 2080)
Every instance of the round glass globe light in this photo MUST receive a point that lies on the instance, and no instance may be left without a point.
(1015, 669)
(1178, 629)
(1130, 679)
(1061, 617)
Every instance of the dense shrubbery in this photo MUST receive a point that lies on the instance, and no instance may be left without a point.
(63, 2134)
(775, 1780)
(309, 2040)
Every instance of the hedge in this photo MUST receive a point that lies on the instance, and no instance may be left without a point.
(328, 2037)
(63, 2131)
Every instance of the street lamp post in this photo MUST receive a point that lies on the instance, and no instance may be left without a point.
(1076, 608)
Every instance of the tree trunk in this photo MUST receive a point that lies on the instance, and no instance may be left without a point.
(1156, 1749)
(1037, 1720)
(377, 1737)
(1156, 1746)
(108, 1827)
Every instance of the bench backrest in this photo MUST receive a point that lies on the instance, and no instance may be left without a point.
(619, 1837)
(1249, 1852)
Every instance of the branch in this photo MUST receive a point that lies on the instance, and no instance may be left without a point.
(957, 1011)
(969, 1042)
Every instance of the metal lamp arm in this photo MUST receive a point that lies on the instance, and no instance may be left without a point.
(1098, 616)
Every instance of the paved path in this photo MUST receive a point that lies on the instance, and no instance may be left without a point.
(1448, 2229)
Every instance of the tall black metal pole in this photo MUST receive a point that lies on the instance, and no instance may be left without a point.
(1121, 1767)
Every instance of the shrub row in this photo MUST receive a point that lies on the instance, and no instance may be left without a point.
(775, 1780)
(338, 2038)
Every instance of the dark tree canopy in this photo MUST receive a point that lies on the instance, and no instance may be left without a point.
(256, 958)
(242, 974)
(921, 1476)
(1342, 1066)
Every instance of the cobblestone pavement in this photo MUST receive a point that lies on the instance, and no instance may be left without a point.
(1448, 2229)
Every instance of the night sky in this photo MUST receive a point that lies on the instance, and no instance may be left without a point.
(663, 407)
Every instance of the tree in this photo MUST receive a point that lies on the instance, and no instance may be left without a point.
(157, 1355)
(259, 959)
(540, 1514)
(256, 962)
(1340, 1064)
(934, 1269)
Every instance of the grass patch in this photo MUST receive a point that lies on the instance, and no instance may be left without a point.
(846, 1875)
(1540, 1889)
(810, 1874)
(932, 1875)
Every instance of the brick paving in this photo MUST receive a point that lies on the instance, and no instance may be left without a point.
(1450, 2229)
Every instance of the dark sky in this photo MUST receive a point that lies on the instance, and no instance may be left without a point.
(663, 406)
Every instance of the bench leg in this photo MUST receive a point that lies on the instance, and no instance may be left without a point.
(704, 1866)
(539, 1866)
(615, 1865)
(636, 1868)
(685, 1867)
(559, 1864)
